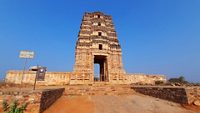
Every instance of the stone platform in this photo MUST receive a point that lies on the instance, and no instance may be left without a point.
(98, 89)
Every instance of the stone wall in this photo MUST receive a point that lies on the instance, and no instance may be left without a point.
(49, 97)
(98, 89)
(64, 78)
(38, 100)
(144, 78)
(193, 94)
(33, 98)
(175, 94)
(51, 78)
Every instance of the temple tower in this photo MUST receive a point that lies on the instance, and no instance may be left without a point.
(97, 43)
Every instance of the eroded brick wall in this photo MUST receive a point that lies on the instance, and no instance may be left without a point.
(38, 101)
(48, 97)
(30, 97)
(175, 94)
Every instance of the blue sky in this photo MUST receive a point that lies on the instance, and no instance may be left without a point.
(156, 36)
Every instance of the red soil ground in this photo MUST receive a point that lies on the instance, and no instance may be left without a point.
(116, 104)
(80, 104)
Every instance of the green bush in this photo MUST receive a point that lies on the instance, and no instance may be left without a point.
(181, 80)
(14, 107)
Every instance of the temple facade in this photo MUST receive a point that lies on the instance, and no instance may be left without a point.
(98, 44)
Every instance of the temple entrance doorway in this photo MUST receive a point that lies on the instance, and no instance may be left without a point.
(100, 64)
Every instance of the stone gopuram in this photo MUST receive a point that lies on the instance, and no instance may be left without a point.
(97, 44)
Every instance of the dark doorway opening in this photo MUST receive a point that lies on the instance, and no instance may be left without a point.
(100, 46)
(99, 33)
(99, 24)
(103, 68)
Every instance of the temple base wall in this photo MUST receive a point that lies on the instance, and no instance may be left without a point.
(145, 78)
(51, 78)
(65, 78)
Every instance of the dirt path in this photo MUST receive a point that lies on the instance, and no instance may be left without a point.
(80, 104)
(135, 104)
(115, 104)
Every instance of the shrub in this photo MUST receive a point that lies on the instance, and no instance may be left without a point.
(181, 80)
(14, 107)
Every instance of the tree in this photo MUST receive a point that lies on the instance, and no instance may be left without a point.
(180, 79)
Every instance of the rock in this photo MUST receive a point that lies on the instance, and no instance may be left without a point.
(197, 103)
(31, 100)
(1, 100)
(18, 97)
(177, 84)
(16, 93)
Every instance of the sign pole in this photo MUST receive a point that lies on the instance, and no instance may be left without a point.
(35, 78)
(26, 59)
(25, 55)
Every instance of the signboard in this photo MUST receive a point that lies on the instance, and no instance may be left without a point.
(41, 73)
(26, 54)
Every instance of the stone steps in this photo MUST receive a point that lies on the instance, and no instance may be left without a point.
(98, 90)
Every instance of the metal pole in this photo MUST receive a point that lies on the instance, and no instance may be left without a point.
(35, 78)
(24, 70)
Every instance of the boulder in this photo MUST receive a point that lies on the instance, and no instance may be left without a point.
(197, 103)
